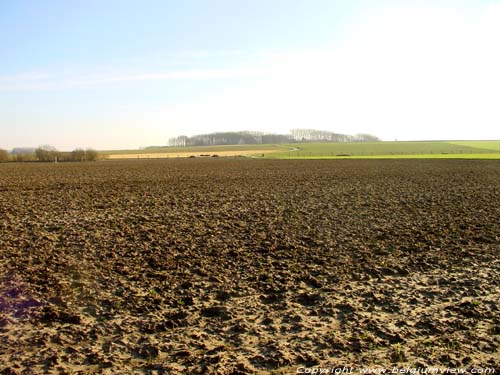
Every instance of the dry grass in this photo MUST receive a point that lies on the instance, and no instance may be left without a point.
(164, 155)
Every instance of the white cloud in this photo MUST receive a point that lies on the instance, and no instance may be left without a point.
(28, 80)
(46, 82)
(204, 74)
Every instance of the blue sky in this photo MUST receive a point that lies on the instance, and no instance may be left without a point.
(126, 74)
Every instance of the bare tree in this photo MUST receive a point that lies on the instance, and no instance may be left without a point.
(363, 137)
(46, 153)
(78, 155)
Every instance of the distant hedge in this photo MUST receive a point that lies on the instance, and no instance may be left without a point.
(4, 156)
(49, 154)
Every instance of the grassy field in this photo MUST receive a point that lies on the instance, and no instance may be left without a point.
(487, 145)
(357, 150)
(486, 156)
(435, 149)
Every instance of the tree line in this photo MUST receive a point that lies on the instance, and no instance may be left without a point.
(47, 154)
(248, 137)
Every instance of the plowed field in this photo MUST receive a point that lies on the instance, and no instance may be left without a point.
(225, 266)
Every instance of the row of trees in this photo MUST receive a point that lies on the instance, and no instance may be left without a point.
(313, 135)
(246, 137)
(48, 154)
(228, 138)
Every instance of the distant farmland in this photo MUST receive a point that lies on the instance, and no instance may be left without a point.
(355, 150)
(435, 149)
(180, 152)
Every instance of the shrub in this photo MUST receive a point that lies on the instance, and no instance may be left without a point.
(4, 156)
(91, 155)
(24, 157)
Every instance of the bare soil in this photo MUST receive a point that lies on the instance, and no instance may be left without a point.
(225, 266)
